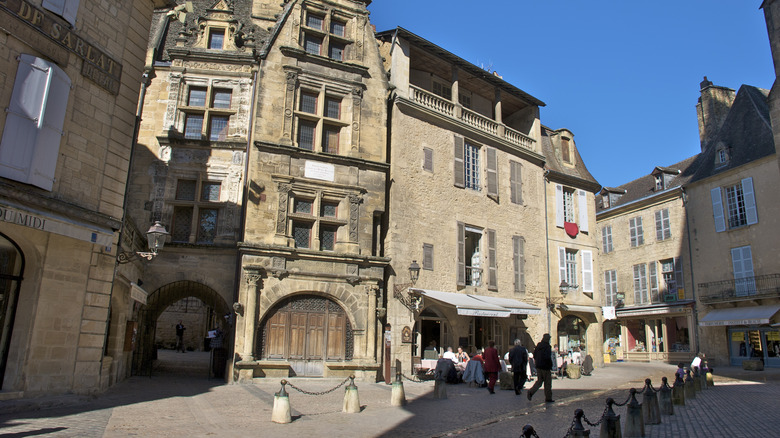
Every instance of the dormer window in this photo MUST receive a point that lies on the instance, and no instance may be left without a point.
(216, 39)
(659, 182)
(605, 201)
(565, 153)
(721, 156)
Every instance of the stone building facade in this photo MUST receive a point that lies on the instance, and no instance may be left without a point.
(466, 204)
(574, 300)
(70, 80)
(645, 270)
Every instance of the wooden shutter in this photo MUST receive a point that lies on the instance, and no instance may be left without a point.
(659, 228)
(492, 263)
(587, 271)
(561, 264)
(428, 159)
(717, 210)
(559, 206)
(518, 256)
(33, 130)
(583, 210)
(742, 261)
(750, 201)
(427, 256)
(458, 165)
(492, 172)
(461, 256)
(678, 277)
(653, 282)
(515, 182)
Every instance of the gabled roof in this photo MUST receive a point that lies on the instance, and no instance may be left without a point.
(644, 187)
(746, 134)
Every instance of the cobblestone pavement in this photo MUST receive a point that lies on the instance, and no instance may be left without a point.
(170, 405)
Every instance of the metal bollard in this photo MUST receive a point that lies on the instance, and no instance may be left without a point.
(708, 375)
(635, 423)
(696, 380)
(351, 399)
(665, 404)
(690, 388)
(281, 410)
(678, 392)
(397, 396)
(610, 425)
(528, 431)
(578, 430)
(651, 412)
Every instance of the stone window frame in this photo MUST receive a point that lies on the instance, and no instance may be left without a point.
(197, 204)
(208, 112)
(325, 34)
(320, 118)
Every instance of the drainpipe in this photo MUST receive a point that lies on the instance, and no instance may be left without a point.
(547, 243)
(693, 281)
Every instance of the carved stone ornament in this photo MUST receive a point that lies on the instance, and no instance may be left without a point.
(406, 335)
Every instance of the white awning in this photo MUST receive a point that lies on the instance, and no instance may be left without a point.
(577, 308)
(465, 304)
(739, 316)
(515, 307)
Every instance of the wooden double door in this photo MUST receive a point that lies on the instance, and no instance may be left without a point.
(307, 332)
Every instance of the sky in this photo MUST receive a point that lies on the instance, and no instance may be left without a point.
(623, 76)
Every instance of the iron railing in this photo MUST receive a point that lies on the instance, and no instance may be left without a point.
(759, 286)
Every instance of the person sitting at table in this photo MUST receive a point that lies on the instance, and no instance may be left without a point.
(474, 374)
(478, 356)
(450, 355)
(463, 357)
(431, 352)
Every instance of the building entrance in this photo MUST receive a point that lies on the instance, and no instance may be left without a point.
(11, 269)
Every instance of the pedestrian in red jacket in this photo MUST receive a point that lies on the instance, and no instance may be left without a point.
(492, 365)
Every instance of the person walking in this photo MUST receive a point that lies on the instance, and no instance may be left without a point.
(492, 365)
(180, 336)
(518, 357)
(543, 358)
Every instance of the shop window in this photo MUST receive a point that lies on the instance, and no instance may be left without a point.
(34, 122)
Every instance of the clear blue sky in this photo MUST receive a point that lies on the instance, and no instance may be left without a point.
(623, 76)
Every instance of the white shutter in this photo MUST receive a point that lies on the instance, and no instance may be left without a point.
(717, 210)
(33, 131)
(750, 201)
(67, 9)
(653, 282)
(587, 271)
(583, 210)
(559, 205)
(461, 256)
(561, 264)
(742, 261)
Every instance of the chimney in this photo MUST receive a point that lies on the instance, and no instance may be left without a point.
(712, 108)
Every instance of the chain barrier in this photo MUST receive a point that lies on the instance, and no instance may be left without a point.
(625, 402)
(571, 427)
(317, 393)
(603, 414)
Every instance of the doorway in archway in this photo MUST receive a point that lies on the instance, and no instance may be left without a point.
(11, 270)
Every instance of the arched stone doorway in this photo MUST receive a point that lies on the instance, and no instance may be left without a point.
(157, 302)
(306, 331)
(11, 270)
(572, 334)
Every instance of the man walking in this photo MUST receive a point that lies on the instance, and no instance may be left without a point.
(492, 365)
(543, 358)
(518, 357)
(180, 336)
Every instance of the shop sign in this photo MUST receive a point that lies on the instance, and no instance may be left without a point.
(734, 322)
(137, 293)
(661, 311)
(773, 336)
(97, 65)
(738, 336)
(487, 313)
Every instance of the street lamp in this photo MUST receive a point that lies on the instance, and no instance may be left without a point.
(156, 239)
(410, 301)
(564, 287)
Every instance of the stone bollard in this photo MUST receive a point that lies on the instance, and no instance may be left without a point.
(578, 430)
(281, 410)
(635, 423)
(398, 396)
(697, 380)
(529, 432)
(610, 425)
(651, 412)
(708, 375)
(351, 399)
(440, 389)
(678, 392)
(702, 379)
(690, 388)
(665, 404)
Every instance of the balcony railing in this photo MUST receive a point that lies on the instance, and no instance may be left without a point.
(760, 286)
(473, 276)
(471, 118)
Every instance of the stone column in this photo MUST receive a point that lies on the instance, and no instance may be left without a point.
(664, 337)
(456, 93)
(253, 284)
(371, 292)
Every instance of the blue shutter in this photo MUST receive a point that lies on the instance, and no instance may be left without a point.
(717, 210)
(750, 201)
(67, 9)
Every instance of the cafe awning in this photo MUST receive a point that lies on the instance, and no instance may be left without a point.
(578, 308)
(752, 315)
(465, 304)
(515, 307)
